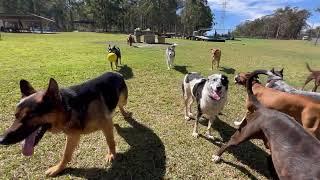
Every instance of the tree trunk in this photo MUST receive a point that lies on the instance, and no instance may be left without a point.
(318, 36)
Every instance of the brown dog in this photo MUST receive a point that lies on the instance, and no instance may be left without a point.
(304, 109)
(79, 109)
(215, 56)
(314, 75)
(294, 152)
(130, 40)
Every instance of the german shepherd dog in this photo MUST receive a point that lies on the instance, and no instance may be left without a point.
(117, 51)
(76, 110)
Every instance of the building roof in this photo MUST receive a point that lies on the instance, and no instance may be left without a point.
(31, 17)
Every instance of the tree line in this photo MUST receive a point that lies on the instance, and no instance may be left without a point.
(182, 16)
(284, 23)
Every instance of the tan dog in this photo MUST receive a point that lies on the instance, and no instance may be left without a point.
(215, 56)
(303, 109)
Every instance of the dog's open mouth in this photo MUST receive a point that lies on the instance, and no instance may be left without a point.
(216, 95)
(32, 140)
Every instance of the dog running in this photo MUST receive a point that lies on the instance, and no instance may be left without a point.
(170, 56)
(76, 110)
(116, 50)
(210, 94)
(303, 109)
(215, 56)
(313, 75)
(294, 152)
(275, 81)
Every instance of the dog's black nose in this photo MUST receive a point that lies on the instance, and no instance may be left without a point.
(219, 88)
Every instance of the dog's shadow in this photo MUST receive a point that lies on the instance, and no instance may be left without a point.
(227, 70)
(247, 153)
(181, 69)
(126, 71)
(145, 159)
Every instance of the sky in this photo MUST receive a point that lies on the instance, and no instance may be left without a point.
(238, 11)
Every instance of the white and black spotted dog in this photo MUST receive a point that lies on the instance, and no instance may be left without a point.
(170, 55)
(210, 94)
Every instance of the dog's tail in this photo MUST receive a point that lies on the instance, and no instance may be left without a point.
(252, 98)
(308, 67)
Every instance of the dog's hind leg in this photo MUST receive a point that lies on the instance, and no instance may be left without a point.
(188, 100)
(111, 65)
(123, 99)
(108, 133)
(238, 137)
(72, 142)
(309, 78)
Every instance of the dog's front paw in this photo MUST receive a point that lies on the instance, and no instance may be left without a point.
(209, 136)
(54, 170)
(110, 157)
(194, 134)
(187, 118)
(127, 114)
(215, 158)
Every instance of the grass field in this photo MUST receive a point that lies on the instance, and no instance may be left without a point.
(158, 145)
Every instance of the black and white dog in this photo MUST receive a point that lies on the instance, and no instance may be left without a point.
(116, 50)
(210, 94)
(275, 81)
(170, 55)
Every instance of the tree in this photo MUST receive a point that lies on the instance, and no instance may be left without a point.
(196, 14)
(284, 23)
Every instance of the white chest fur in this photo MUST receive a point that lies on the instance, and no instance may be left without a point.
(211, 108)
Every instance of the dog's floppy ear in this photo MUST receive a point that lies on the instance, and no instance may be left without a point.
(52, 92)
(26, 88)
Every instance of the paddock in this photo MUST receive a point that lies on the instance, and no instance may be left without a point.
(157, 143)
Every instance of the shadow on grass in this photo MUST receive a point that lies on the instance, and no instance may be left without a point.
(227, 70)
(126, 71)
(181, 69)
(144, 160)
(247, 153)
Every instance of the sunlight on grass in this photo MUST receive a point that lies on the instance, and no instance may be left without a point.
(154, 98)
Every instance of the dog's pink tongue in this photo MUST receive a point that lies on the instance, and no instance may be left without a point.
(215, 96)
(27, 144)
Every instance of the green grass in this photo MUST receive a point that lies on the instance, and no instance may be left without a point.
(159, 145)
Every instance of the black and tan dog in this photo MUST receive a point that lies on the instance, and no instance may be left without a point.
(76, 110)
(116, 50)
(294, 152)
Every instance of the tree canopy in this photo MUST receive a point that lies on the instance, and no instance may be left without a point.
(182, 16)
(284, 23)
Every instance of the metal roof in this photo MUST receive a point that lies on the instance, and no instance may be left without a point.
(23, 16)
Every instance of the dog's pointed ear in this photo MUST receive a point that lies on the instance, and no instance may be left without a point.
(52, 92)
(272, 70)
(281, 72)
(26, 88)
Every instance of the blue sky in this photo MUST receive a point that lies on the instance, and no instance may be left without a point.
(238, 11)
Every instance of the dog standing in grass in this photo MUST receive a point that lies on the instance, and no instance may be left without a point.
(313, 75)
(210, 94)
(115, 50)
(74, 111)
(130, 40)
(170, 56)
(215, 56)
